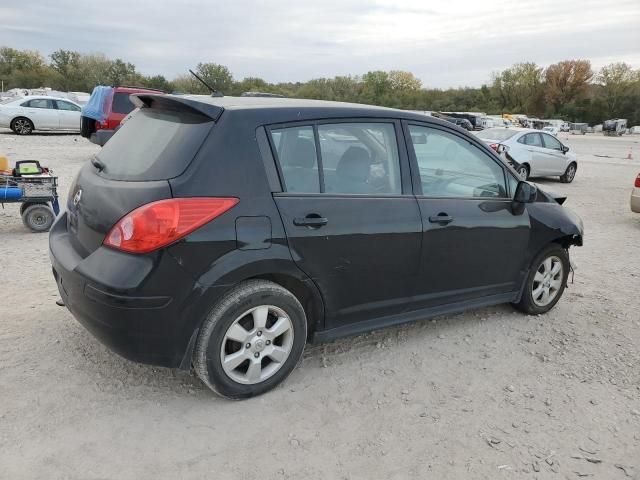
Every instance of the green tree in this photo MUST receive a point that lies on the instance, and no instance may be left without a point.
(616, 81)
(217, 76)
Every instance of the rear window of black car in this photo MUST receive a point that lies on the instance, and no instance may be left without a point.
(154, 145)
(122, 104)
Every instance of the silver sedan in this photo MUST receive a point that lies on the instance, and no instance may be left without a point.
(534, 153)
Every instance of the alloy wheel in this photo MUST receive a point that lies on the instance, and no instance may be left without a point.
(547, 281)
(571, 172)
(22, 126)
(257, 344)
(522, 172)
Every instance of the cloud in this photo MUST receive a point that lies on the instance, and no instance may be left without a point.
(451, 43)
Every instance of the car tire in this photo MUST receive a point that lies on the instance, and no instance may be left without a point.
(38, 217)
(22, 126)
(240, 352)
(546, 280)
(569, 174)
(523, 171)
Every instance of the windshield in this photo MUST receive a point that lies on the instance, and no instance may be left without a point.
(154, 145)
(499, 134)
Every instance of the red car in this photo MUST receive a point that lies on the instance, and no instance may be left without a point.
(106, 108)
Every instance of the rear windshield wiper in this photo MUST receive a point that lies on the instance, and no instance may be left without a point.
(98, 164)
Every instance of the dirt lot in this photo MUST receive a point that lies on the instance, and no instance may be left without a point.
(486, 394)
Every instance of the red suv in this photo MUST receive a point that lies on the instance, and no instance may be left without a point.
(106, 108)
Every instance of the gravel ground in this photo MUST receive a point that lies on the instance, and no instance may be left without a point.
(486, 394)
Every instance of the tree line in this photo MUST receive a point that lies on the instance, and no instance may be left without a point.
(570, 89)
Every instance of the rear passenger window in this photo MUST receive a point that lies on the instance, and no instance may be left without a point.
(531, 139)
(296, 151)
(360, 158)
(38, 103)
(355, 158)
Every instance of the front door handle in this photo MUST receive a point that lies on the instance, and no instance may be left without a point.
(441, 218)
(312, 220)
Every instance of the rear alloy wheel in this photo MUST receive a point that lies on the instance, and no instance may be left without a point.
(523, 172)
(22, 126)
(569, 174)
(251, 341)
(546, 281)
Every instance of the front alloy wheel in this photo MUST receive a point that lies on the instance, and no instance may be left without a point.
(22, 126)
(547, 281)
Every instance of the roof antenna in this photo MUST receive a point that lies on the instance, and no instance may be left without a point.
(214, 92)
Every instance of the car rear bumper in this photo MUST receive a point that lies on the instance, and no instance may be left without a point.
(142, 307)
(100, 137)
(635, 200)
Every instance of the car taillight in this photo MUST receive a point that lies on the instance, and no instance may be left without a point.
(637, 184)
(158, 224)
(494, 146)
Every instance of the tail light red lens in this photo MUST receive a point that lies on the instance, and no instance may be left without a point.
(494, 146)
(637, 184)
(158, 224)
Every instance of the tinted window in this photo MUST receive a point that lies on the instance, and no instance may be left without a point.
(453, 167)
(360, 158)
(296, 153)
(499, 134)
(121, 103)
(38, 103)
(67, 106)
(551, 142)
(531, 139)
(154, 145)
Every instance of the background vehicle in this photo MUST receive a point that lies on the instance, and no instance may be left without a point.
(224, 232)
(106, 108)
(537, 152)
(33, 113)
(635, 196)
(614, 127)
(461, 122)
(578, 128)
(551, 130)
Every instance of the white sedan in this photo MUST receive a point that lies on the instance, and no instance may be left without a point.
(27, 114)
(535, 153)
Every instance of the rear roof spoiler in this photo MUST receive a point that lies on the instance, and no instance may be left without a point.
(175, 103)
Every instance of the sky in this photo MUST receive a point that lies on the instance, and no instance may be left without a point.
(451, 43)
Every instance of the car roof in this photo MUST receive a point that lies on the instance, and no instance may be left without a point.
(46, 97)
(330, 108)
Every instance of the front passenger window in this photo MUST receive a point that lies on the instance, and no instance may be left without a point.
(453, 167)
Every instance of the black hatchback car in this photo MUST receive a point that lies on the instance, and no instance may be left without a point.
(223, 233)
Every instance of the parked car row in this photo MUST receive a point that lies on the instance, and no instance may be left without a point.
(226, 232)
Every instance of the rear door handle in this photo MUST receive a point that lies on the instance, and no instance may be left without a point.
(441, 218)
(312, 220)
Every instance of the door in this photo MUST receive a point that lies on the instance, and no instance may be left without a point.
(68, 115)
(351, 221)
(42, 112)
(473, 242)
(556, 160)
(538, 161)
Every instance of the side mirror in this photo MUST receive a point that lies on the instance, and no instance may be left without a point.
(565, 149)
(525, 193)
(502, 148)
